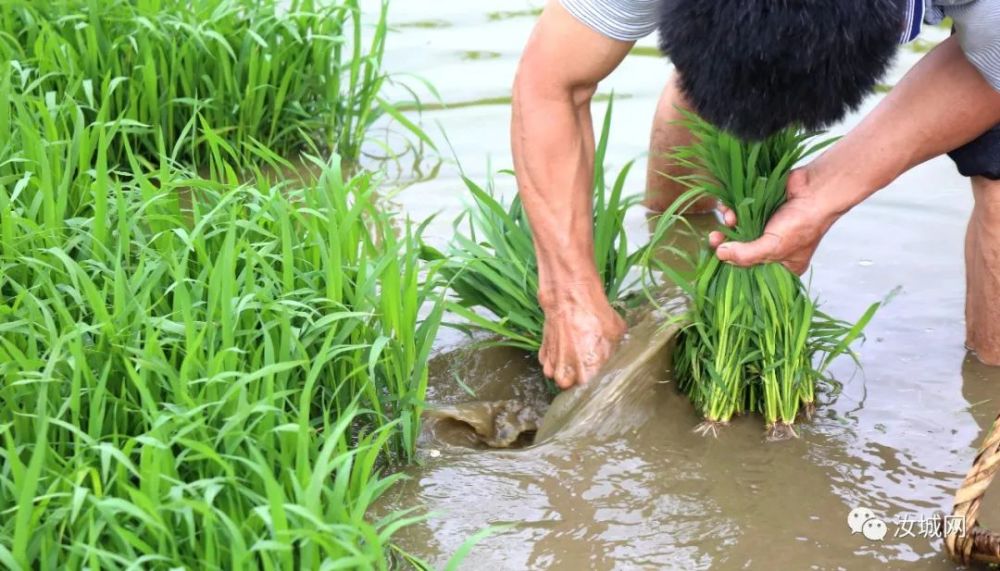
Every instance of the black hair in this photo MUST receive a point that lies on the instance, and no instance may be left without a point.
(753, 67)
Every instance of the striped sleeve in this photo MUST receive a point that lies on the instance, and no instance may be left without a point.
(913, 18)
(624, 20)
(977, 25)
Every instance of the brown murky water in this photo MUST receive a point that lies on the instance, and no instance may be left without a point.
(618, 480)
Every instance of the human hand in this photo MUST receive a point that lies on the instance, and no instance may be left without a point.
(793, 233)
(580, 334)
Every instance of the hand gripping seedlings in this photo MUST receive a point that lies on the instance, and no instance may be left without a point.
(756, 341)
(491, 264)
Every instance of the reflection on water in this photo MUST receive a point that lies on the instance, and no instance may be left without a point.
(630, 485)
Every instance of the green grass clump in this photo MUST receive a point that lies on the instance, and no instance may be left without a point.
(196, 373)
(289, 76)
(491, 264)
(756, 341)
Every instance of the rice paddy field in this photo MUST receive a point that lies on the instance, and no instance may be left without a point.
(630, 486)
(262, 271)
(206, 364)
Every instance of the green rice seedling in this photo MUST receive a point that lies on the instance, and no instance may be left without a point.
(288, 75)
(491, 263)
(756, 341)
(218, 382)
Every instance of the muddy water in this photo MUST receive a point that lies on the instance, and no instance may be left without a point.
(621, 481)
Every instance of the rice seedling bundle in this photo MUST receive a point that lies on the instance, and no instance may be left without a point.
(756, 341)
(289, 76)
(491, 263)
(217, 382)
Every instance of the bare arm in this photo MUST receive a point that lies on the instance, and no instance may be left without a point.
(941, 104)
(553, 146)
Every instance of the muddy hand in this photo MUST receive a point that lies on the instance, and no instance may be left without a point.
(580, 335)
(790, 237)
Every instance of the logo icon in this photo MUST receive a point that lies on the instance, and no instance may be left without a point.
(857, 518)
(874, 529)
(863, 521)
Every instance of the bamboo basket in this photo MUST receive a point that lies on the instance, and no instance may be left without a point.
(978, 545)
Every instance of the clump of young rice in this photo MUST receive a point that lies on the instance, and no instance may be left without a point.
(756, 340)
(289, 76)
(491, 263)
(197, 373)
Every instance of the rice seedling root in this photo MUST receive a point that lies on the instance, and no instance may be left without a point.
(780, 431)
(710, 428)
(808, 409)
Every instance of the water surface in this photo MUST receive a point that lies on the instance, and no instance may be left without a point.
(635, 488)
